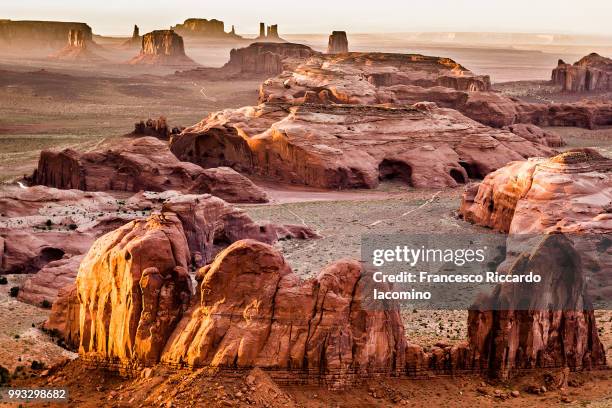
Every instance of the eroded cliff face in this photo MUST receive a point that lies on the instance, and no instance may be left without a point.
(162, 47)
(203, 28)
(525, 331)
(48, 35)
(77, 48)
(591, 73)
(143, 163)
(267, 58)
(347, 146)
(133, 287)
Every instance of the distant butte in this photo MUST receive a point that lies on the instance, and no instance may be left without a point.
(203, 28)
(590, 73)
(162, 47)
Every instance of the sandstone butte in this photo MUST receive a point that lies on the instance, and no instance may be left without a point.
(78, 48)
(46, 231)
(338, 43)
(346, 146)
(136, 307)
(383, 78)
(39, 34)
(143, 163)
(162, 47)
(591, 73)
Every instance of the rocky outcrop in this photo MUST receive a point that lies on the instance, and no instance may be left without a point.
(338, 43)
(228, 183)
(135, 41)
(346, 146)
(249, 309)
(571, 192)
(49, 35)
(63, 320)
(591, 73)
(45, 286)
(268, 33)
(400, 79)
(162, 47)
(77, 49)
(144, 163)
(549, 324)
(536, 135)
(44, 226)
(267, 58)
(133, 287)
(203, 28)
(158, 128)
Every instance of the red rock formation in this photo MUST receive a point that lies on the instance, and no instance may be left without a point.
(591, 73)
(162, 47)
(268, 33)
(64, 318)
(158, 128)
(338, 43)
(250, 310)
(407, 79)
(135, 41)
(267, 58)
(133, 287)
(46, 284)
(348, 146)
(516, 327)
(570, 192)
(77, 48)
(39, 34)
(144, 163)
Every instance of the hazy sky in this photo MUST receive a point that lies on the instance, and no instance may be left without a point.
(113, 17)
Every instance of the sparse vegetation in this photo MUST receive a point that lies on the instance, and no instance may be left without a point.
(14, 291)
(3, 280)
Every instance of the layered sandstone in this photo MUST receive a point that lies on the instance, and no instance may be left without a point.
(338, 43)
(144, 163)
(375, 78)
(345, 146)
(267, 58)
(162, 47)
(571, 192)
(40, 34)
(268, 33)
(591, 73)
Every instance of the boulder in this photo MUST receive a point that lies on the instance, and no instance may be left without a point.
(158, 128)
(162, 47)
(144, 163)
(591, 73)
(347, 146)
(338, 43)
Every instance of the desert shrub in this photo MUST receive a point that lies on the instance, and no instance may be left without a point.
(3, 280)
(14, 291)
(45, 304)
(37, 365)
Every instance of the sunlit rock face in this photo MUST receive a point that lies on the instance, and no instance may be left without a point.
(347, 146)
(267, 58)
(162, 47)
(591, 73)
(78, 48)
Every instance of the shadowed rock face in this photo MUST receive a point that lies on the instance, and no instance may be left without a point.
(338, 43)
(376, 78)
(591, 73)
(525, 333)
(348, 146)
(162, 47)
(144, 163)
(40, 34)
